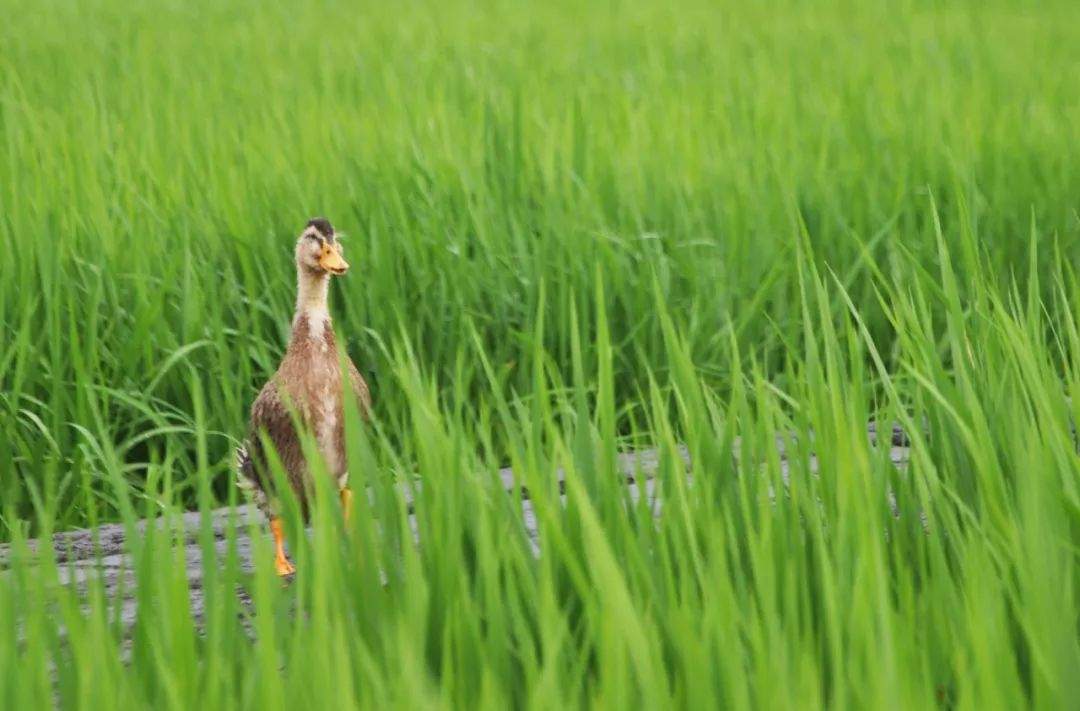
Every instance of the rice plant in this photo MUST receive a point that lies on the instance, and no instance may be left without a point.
(729, 234)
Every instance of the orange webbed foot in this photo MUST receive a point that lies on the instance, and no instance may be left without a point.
(282, 566)
(346, 503)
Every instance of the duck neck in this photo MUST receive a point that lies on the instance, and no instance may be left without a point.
(311, 297)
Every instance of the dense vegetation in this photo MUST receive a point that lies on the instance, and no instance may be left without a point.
(574, 230)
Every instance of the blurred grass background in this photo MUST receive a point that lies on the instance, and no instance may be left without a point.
(159, 160)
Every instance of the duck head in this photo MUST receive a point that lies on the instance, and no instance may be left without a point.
(318, 250)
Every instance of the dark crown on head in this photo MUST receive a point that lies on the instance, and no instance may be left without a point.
(323, 226)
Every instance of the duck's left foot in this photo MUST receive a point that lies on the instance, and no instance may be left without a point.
(346, 503)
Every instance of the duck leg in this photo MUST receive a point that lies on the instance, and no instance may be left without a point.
(281, 563)
(346, 503)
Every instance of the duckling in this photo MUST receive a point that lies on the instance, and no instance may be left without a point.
(308, 382)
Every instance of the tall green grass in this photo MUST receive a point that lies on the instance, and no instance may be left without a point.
(746, 590)
(573, 230)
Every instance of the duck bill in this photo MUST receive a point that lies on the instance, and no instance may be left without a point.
(332, 262)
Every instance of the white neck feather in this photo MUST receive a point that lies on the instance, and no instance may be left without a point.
(311, 297)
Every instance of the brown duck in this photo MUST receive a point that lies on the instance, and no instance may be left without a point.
(308, 383)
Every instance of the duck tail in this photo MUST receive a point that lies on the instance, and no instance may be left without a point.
(245, 468)
(248, 482)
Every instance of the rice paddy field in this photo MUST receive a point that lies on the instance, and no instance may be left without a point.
(575, 229)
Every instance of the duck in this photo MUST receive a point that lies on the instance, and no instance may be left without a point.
(308, 386)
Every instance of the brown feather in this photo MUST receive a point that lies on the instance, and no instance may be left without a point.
(307, 384)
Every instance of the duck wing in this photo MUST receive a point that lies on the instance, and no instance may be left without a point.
(270, 415)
